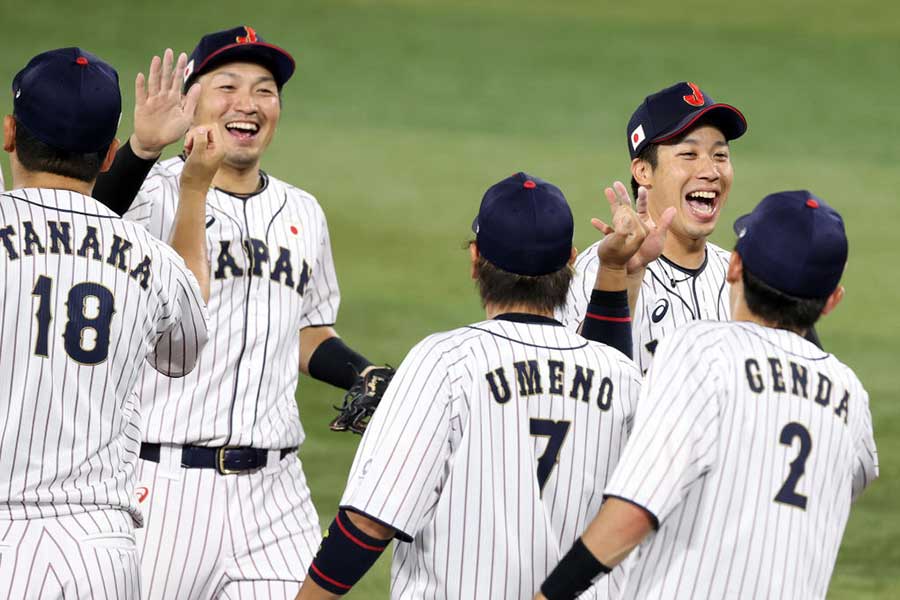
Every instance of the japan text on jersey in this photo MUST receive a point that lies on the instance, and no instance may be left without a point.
(272, 275)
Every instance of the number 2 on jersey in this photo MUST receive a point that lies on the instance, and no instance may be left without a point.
(85, 338)
(556, 431)
(788, 492)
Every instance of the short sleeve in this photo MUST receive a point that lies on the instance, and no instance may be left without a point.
(673, 442)
(400, 465)
(155, 204)
(183, 325)
(586, 265)
(866, 468)
(322, 296)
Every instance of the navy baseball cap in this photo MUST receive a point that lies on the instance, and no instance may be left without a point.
(669, 112)
(795, 243)
(240, 44)
(69, 99)
(524, 226)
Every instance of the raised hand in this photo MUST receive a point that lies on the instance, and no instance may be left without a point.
(162, 114)
(633, 240)
(205, 153)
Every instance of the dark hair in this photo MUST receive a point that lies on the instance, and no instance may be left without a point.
(504, 289)
(36, 156)
(778, 308)
(650, 151)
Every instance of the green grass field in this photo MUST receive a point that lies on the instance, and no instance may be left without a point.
(403, 112)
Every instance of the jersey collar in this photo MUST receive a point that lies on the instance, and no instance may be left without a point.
(685, 270)
(263, 184)
(527, 318)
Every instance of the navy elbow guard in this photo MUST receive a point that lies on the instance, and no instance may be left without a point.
(346, 554)
(574, 573)
(608, 321)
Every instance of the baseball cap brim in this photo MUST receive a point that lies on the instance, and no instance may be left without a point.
(729, 120)
(276, 59)
(741, 223)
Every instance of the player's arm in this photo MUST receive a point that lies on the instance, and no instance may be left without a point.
(353, 544)
(616, 530)
(608, 313)
(325, 356)
(162, 116)
(188, 237)
(387, 495)
(866, 468)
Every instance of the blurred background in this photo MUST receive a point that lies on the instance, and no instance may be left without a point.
(403, 112)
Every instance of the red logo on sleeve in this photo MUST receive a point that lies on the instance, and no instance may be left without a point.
(695, 99)
(247, 39)
(142, 493)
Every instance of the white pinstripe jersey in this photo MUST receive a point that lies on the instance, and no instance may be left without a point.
(490, 449)
(749, 444)
(86, 298)
(272, 274)
(670, 296)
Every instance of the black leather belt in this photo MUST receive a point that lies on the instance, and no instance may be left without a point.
(227, 460)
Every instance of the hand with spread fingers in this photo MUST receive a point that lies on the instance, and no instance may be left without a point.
(162, 114)
(634, 239)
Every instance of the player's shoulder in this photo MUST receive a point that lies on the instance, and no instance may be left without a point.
(694, 334)
(291, 192)
(161, 182)
(451, 340)
(614, 358)
(169, 169)
(717, 253)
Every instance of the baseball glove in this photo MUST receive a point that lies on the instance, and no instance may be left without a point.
(361, 400)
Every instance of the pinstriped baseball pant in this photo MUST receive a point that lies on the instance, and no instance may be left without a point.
(86, 556)
(208, 535)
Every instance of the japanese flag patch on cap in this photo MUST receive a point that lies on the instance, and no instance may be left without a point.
(637, 136)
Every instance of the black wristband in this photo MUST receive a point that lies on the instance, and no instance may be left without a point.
(118, 187)
(336, 363)
(574, 573)
(607, 320)
(346, 554)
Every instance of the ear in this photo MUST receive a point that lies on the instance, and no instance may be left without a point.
(110, 156)
(9, 133)
(833, 300)
(735, 271)
(573, 256)
(642, 172)
(473, 257)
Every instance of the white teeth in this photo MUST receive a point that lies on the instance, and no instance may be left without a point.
(703, 195)
(243, 126)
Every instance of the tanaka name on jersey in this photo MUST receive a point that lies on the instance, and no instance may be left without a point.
(796, 382)
(59, 235)
(258, 253)
(581, 382)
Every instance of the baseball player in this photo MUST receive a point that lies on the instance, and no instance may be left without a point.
(493, 442)
(228, 511)
(678, 143)
(87, 299)
(750, 443)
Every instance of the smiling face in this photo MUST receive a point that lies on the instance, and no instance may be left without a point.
(243, 98)
(694, 175)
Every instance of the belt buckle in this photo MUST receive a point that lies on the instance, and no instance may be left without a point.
(220, 461)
